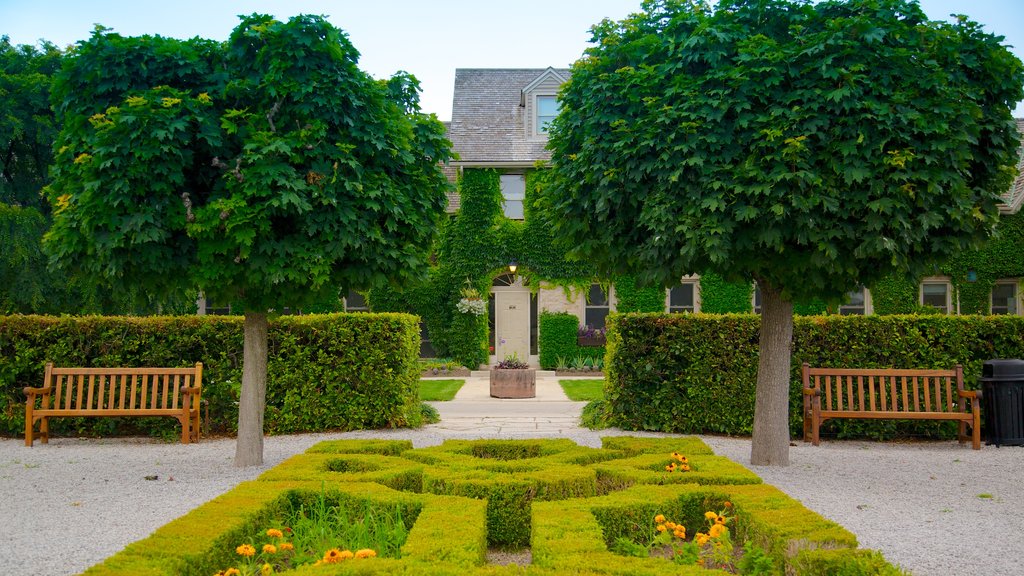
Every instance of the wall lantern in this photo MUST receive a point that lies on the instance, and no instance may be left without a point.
(513, 266)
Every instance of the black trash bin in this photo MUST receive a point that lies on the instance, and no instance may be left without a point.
(1002, 385)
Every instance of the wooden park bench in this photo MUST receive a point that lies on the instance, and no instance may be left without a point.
(84, 392)
(891, 394)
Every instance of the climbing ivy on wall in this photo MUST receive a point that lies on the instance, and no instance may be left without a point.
(632, 298)
(717, 296)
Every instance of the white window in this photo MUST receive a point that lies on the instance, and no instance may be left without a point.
(355, 302)
(685, 297)
(597, 307)
(858, 302)
(513, 191)
(547, 109)
(937, 293)
(1005, 298)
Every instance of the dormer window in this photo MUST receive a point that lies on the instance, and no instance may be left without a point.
(547, 109)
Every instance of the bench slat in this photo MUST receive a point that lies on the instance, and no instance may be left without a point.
(826, 414)
(139, 371)
(109, 412)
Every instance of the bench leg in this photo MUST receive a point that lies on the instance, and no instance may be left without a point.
(186, 434)
(44, 430)
(976, 431)
(807, 419)
(28, 427)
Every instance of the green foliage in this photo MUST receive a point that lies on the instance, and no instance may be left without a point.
(451, 516)
(557, 339)
(632, 298)
(720, 297)
(335, 372)
(697, 373)
(742, 154)
(1000, 258)
(27, 125)
(185, 164)
(583, 390)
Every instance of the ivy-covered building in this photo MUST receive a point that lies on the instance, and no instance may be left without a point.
(491, 249)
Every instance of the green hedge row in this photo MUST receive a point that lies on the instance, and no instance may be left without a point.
(547, 494)
(697, 373)
(556, 333)
(329, 372)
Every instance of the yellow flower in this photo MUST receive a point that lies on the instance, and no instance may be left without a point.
(135, 101)
(680, 533)
(670, 525)
(286, 546)
(701, 538)
(269, 549)
(168, 102)
(275, 533)
(721, 520)
(717, 530)
(232, 572)
(659, 518)
(246, 550)
(684, 467)
(332, 556)
(670, 468)
(82, 158)
(266, 570)
(204, 98)
(366, 553)
(711, 515)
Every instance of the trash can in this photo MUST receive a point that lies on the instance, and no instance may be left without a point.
(1002, 385)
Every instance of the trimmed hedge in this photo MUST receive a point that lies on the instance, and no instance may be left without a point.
(556, 333)
(697, 373)
(330, 372)
(475, 501)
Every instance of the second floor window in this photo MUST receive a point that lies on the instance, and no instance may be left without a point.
(547, 109)
(513, 191)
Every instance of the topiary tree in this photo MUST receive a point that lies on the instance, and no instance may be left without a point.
(808, 147)
(267, 171)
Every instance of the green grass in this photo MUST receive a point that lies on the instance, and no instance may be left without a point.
(443, 390)
(583, 390)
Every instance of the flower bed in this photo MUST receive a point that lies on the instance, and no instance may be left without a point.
(569, 504)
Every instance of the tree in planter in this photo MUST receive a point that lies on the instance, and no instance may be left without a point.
(267, 172)
(809, 148)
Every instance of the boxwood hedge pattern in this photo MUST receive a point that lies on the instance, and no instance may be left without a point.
(564, 501)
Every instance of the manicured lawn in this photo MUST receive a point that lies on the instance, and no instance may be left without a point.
(583, 390)
(442, 390)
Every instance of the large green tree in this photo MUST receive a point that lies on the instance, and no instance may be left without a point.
(267, 171)
(27, 126)
(808, 147)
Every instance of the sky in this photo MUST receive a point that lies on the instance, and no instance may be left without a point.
(428, 38)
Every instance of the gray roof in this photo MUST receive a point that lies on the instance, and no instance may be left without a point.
(488, 123)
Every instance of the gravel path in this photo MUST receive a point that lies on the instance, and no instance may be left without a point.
(933, 508)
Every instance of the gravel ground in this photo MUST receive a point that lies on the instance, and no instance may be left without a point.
(933, 508)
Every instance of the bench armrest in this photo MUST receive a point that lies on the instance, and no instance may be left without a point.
(968, 393)
(29, 391)
(812, 392)
(191, 389)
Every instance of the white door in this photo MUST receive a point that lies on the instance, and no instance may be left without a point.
(512, 325)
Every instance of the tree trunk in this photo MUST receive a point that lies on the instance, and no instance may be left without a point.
(249, 447)
(770, 446)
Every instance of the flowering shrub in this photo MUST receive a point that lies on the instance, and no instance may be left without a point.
(512, 363)
(279, 555)
(678, 462)
(471, 302)
(589, 332)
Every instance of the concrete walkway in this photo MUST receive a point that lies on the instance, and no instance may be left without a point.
(473, 410)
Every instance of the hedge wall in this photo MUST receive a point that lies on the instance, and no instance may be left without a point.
(697, 373)
(330, 372)
(557, 339)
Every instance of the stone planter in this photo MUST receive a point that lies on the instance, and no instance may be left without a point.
(513, 383)
(591, 341)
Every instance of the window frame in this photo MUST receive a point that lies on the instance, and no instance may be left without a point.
(505, 199)
(867, 304)
(535, 123)
(1016, 284)
(692, 280)
(364, 308)
(609, 304)
(938, 281)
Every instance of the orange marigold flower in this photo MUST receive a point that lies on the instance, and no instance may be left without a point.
(711, 515)
(366, 553)
(332, 556)
(346, 555)
(701, 538)
(660, 518)
(661, 528)
(269, 549)
(232, 572)
(727, 504)
(721, 520)
(275, 533)
(670, 525)
(286, 546)
(681, 533)
(246, 550)
(718, 530)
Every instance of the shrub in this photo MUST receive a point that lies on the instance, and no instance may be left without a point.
(557, 332)
(337, 371)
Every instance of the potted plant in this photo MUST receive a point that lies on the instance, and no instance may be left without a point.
(587, 336)
(513, 378)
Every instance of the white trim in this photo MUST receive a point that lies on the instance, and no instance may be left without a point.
(951, 310)
(482, 164)
(869, 305)
(546, 75)
(1018, 296)
(583, 305)
(693, 279)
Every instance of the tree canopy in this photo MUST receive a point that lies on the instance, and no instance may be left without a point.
(812, 148)
(816, 147)
(27, 126)
(267, 171)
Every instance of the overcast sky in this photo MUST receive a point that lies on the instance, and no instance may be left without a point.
(428, 38)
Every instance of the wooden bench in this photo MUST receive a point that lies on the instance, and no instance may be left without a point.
(890, 394)
(85, 392)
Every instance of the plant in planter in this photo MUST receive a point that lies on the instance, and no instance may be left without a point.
(588, 336)
(471, 301)
(513, 378)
